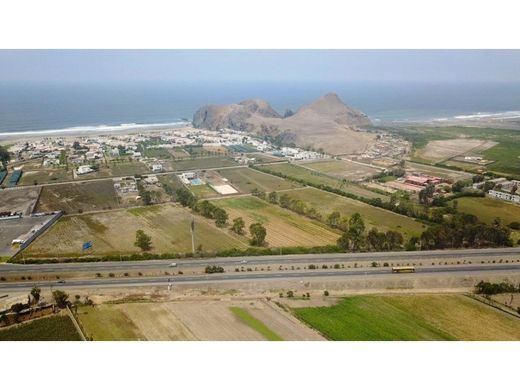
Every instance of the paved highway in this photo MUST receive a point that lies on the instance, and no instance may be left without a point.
(469, 254)
(251, 277)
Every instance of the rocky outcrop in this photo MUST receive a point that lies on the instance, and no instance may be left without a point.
(327, 123)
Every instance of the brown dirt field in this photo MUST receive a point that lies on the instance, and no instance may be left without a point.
(157, 321)
(20, 199)
(442, 150)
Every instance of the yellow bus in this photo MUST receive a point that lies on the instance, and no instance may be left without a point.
(403, 269)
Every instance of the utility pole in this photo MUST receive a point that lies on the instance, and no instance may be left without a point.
(192, 228)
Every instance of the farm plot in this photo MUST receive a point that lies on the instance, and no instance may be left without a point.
(411, 317)
(203, 162)
(113, 232)
(78, 197)
(319, 178)
(53, 328)
(342, 168)
(284, 228)
(382, 219)
(247, 179)
(127, 168)
(44, 176)
(441, 150)
(450, 174)
(189, 320)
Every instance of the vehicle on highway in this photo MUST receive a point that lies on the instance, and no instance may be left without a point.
(61, 281)
(173, 265)
(403, 269)
(243, 262)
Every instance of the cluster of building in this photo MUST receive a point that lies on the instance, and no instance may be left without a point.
(416, 182)
(296, 154)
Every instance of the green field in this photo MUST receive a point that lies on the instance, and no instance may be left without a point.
(255, 323)
(506, 157)
(487, 209)
(113, 233)
(284, 228)
(302, 173)
(203, 191)
(247, 179)
(53, 328)
(106, 323)
(162, 154)
(203, 162)
(326, 203)
(78, 197)
(505, 154)
(411, 317)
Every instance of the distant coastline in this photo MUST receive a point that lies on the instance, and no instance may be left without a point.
(91, 130)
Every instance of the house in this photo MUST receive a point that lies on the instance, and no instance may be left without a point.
(83, 169)
(157, 167)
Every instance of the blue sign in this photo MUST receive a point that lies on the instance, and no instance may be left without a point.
(87, 245)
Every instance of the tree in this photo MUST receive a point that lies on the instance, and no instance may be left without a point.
(376, 240)
(142, 240)
(60, 297)
(488, 185)
(333, 219)
(344, 241)
(285, 201)
(185, 197)
(238, 225)
(273, 197)
(394, 240)
(4, 156)
(258, 234)
(35, 292)
(221, 217)
(514, 189)
(356, 229)
(76, 145)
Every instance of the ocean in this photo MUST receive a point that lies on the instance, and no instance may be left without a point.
(49, 108)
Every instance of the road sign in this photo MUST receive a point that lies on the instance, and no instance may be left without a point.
(87, 245)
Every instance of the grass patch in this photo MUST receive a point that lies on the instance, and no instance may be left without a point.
(411, 317)
(487, 209)
(54, 328)
(107, 323)
(255, 323)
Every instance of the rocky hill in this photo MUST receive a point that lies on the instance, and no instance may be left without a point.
(327, 123)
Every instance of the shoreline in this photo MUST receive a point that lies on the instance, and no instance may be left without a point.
(6, 138)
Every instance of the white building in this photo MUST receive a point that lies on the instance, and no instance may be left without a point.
(157, 167)
(504, 196)
(83, 169)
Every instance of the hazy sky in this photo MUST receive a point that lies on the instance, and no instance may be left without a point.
(257, 65)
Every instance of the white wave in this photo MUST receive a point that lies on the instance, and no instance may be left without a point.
(98, 128)
(491, 115)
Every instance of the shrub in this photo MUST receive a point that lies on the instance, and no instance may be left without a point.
(98, 275)
(326, 293)
(290, 294)
(213, 269)
(111, 275)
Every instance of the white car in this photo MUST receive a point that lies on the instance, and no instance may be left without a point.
(243, 262)
(173, 265)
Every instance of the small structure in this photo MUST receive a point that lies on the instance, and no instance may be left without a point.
(84, 169)
(157, 167)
